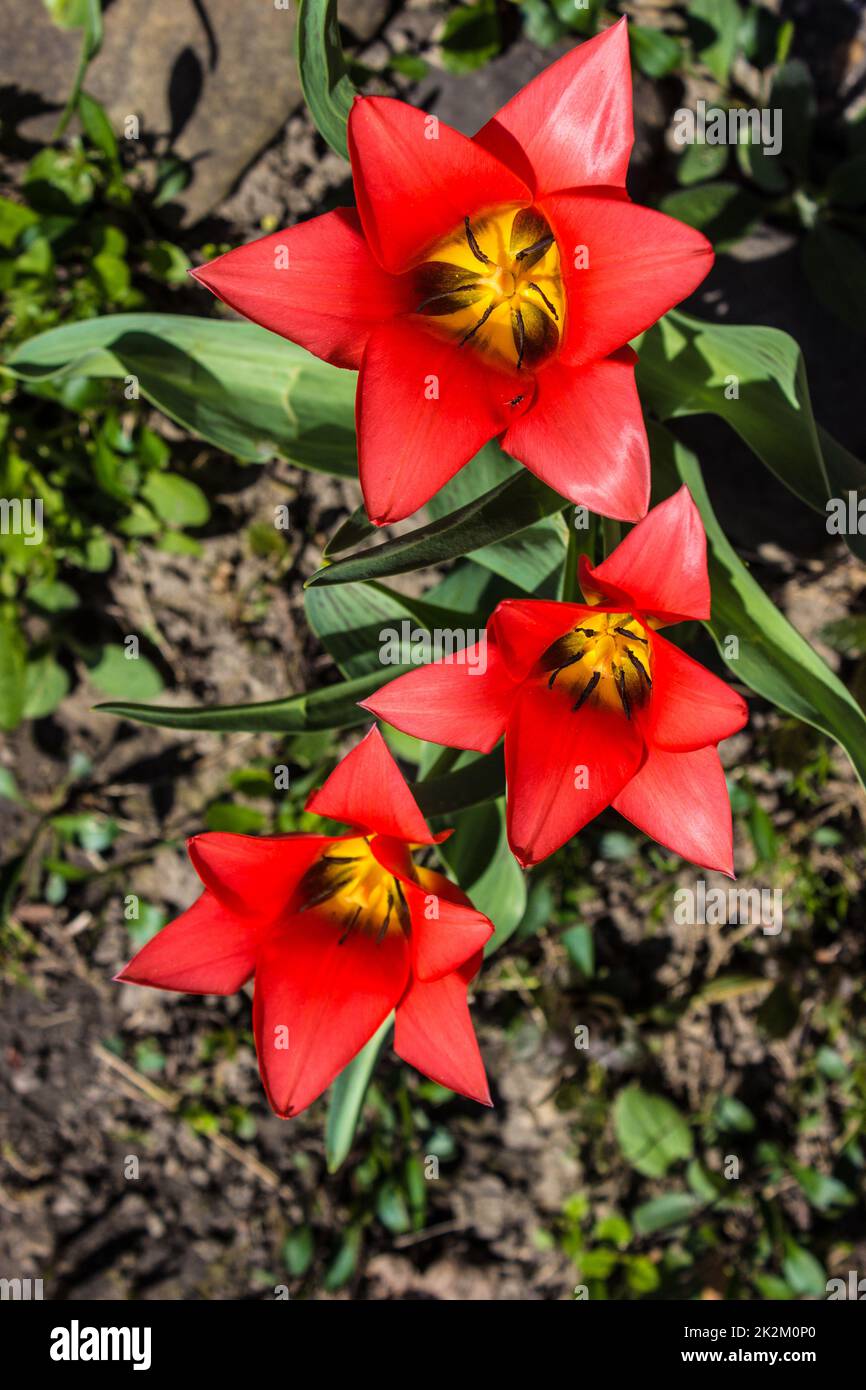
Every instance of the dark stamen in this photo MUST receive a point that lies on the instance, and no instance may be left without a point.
(446, 294)
(474, 329)
(539, 290)
(384, 927)
(322, 887)
(624, 632)
(473, 245)
(540, 245)
(570, 662)
(521, 337)
(355, 915)
(638, 665)
(400, 894)
(619, 682)
(587, 689)
(587, 631)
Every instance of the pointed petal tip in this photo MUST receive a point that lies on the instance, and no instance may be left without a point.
(484, 1099)
(199, 273)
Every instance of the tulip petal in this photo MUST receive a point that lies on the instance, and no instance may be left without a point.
(444, 941)
(659, 568)
(572, 126)
(690, 707)
(316, 284)
(317, 1002)
(460, 706)
(681, 800)
(551, 750)
(207, 950)
(585, 436)
(368, 790)
(623, 266)
(525, 628)
(255, 875)
(425, 407)
(433, 1032)
(416, 179)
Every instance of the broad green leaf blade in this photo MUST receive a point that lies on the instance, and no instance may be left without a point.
(481, 862)
(481, 780)
(753, 377)
(356, 528)
(334, 707)
(114, 673)
(46, 685)
(723, 211)
(346, 1098)
(671, 1209)
(507, 509)
(471, 36)
(531, 559)
(325, 82)
(483, 472)
(655, 52)
(846, 473)
(651, 1132)
(716, 34)
(234, 384)
(528, 559)
(367, 628)
(774, 659)
(177, 501)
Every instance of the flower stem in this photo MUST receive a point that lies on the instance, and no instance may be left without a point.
(611, 534)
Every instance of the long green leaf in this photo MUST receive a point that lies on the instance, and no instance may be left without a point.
(481, 780)
(755, 379)
(482, 863)
(507, 509)
(352, 622)
(346, 1098)
(234, 384)
(527, 559)
(334, 707)
(325, 82)
(773, 658)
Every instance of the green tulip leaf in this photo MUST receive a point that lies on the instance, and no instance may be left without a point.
(328, 90)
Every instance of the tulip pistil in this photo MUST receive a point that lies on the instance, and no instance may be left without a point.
(496, 284)
(349, 887)
(605, 660)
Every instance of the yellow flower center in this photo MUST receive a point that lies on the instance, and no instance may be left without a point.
(606, 660)
(495, 283)
(349, 886)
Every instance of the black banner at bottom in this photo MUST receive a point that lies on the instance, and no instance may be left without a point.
(222, 1339)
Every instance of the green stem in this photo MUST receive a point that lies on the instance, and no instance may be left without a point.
(444, 763)
(611, 532)
(72, 103)
(568, 590)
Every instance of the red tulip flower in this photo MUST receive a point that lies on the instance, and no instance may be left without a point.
(597, 708)
(338, 931)
(485, 288)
